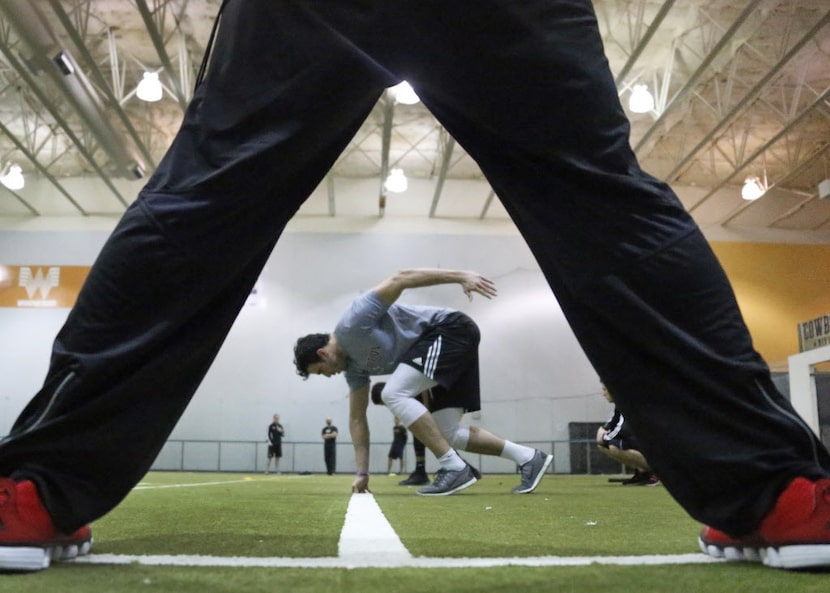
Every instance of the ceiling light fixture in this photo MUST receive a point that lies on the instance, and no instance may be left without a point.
(404, 93)
(149, 89)
(641, 100)
(753, 188)
(396, 182)
(12, 177)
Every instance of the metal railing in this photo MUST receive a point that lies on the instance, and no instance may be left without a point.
(570, 457)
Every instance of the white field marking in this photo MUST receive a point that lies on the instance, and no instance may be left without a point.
(367, 540)
(368, 537)
(159, 487)
(412, 562)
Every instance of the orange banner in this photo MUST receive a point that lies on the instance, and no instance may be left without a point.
(41, 286)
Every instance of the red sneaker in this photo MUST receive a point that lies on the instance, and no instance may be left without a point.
(717, 544)
(28, 539)
(797, 530)
(795, 534)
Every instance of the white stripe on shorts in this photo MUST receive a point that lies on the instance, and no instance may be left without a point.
(432, 358)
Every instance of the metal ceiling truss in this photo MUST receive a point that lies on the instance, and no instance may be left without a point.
(715, 91)
(702, 54)
(382, 161)
(155, 21)
(447, 146)
(43, 171)
(387, 105)
(795, 171)
(358, 144)
(638, 40)
(726, 114)
(83, 101)
(77, 29)
(700, 73)
(48, 61)
(783, 135)
(733, 95)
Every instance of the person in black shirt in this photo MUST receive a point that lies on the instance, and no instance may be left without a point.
(275, 434)
(329, 434)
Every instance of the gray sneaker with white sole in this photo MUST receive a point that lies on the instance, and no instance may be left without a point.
(448, 482)
(532, 472)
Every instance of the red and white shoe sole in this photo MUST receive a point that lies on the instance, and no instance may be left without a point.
(792, 557)
(31, 559)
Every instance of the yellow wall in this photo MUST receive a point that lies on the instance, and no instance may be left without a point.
(777, 286)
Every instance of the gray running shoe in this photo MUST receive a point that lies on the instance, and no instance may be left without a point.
(448, 482)
(532, 472)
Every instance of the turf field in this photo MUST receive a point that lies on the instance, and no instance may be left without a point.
(204, 532)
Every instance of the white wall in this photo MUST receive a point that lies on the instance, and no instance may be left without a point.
(535, 378)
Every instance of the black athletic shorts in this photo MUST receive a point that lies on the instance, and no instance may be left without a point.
(623, 440)
(448, 354)
(275, 450)
(396, 450)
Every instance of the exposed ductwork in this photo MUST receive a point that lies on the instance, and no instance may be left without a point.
(48, 57)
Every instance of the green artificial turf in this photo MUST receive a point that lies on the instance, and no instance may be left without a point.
(301, 516)
(720, 578)
(565, 516)
(252, 515)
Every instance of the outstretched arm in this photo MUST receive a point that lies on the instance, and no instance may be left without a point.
(390, 289)
(359, 429)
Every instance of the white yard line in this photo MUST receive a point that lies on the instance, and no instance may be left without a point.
(411, 562)
(190, 485)
(367, 540)
(367, 537)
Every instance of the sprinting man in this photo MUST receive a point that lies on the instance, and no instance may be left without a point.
(423, 348)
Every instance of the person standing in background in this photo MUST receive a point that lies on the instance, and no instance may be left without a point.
(275, 434)
(330, 447)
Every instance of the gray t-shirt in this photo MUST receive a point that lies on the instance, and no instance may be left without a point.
(375, 336)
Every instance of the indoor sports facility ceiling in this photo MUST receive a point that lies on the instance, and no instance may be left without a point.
(740, 90)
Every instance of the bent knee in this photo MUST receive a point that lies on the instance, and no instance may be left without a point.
(459, 438)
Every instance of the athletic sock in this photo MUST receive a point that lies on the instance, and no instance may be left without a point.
(451, 461)
(518, 453)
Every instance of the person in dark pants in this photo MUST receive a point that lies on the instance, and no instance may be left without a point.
(399, 438)
(526, 89)
(275, 434)
(419, 476)
(329, 434)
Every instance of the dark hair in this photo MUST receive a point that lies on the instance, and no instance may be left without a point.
(305, 352)
(377, 388)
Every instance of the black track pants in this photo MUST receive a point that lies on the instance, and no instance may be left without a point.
(525, 88)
